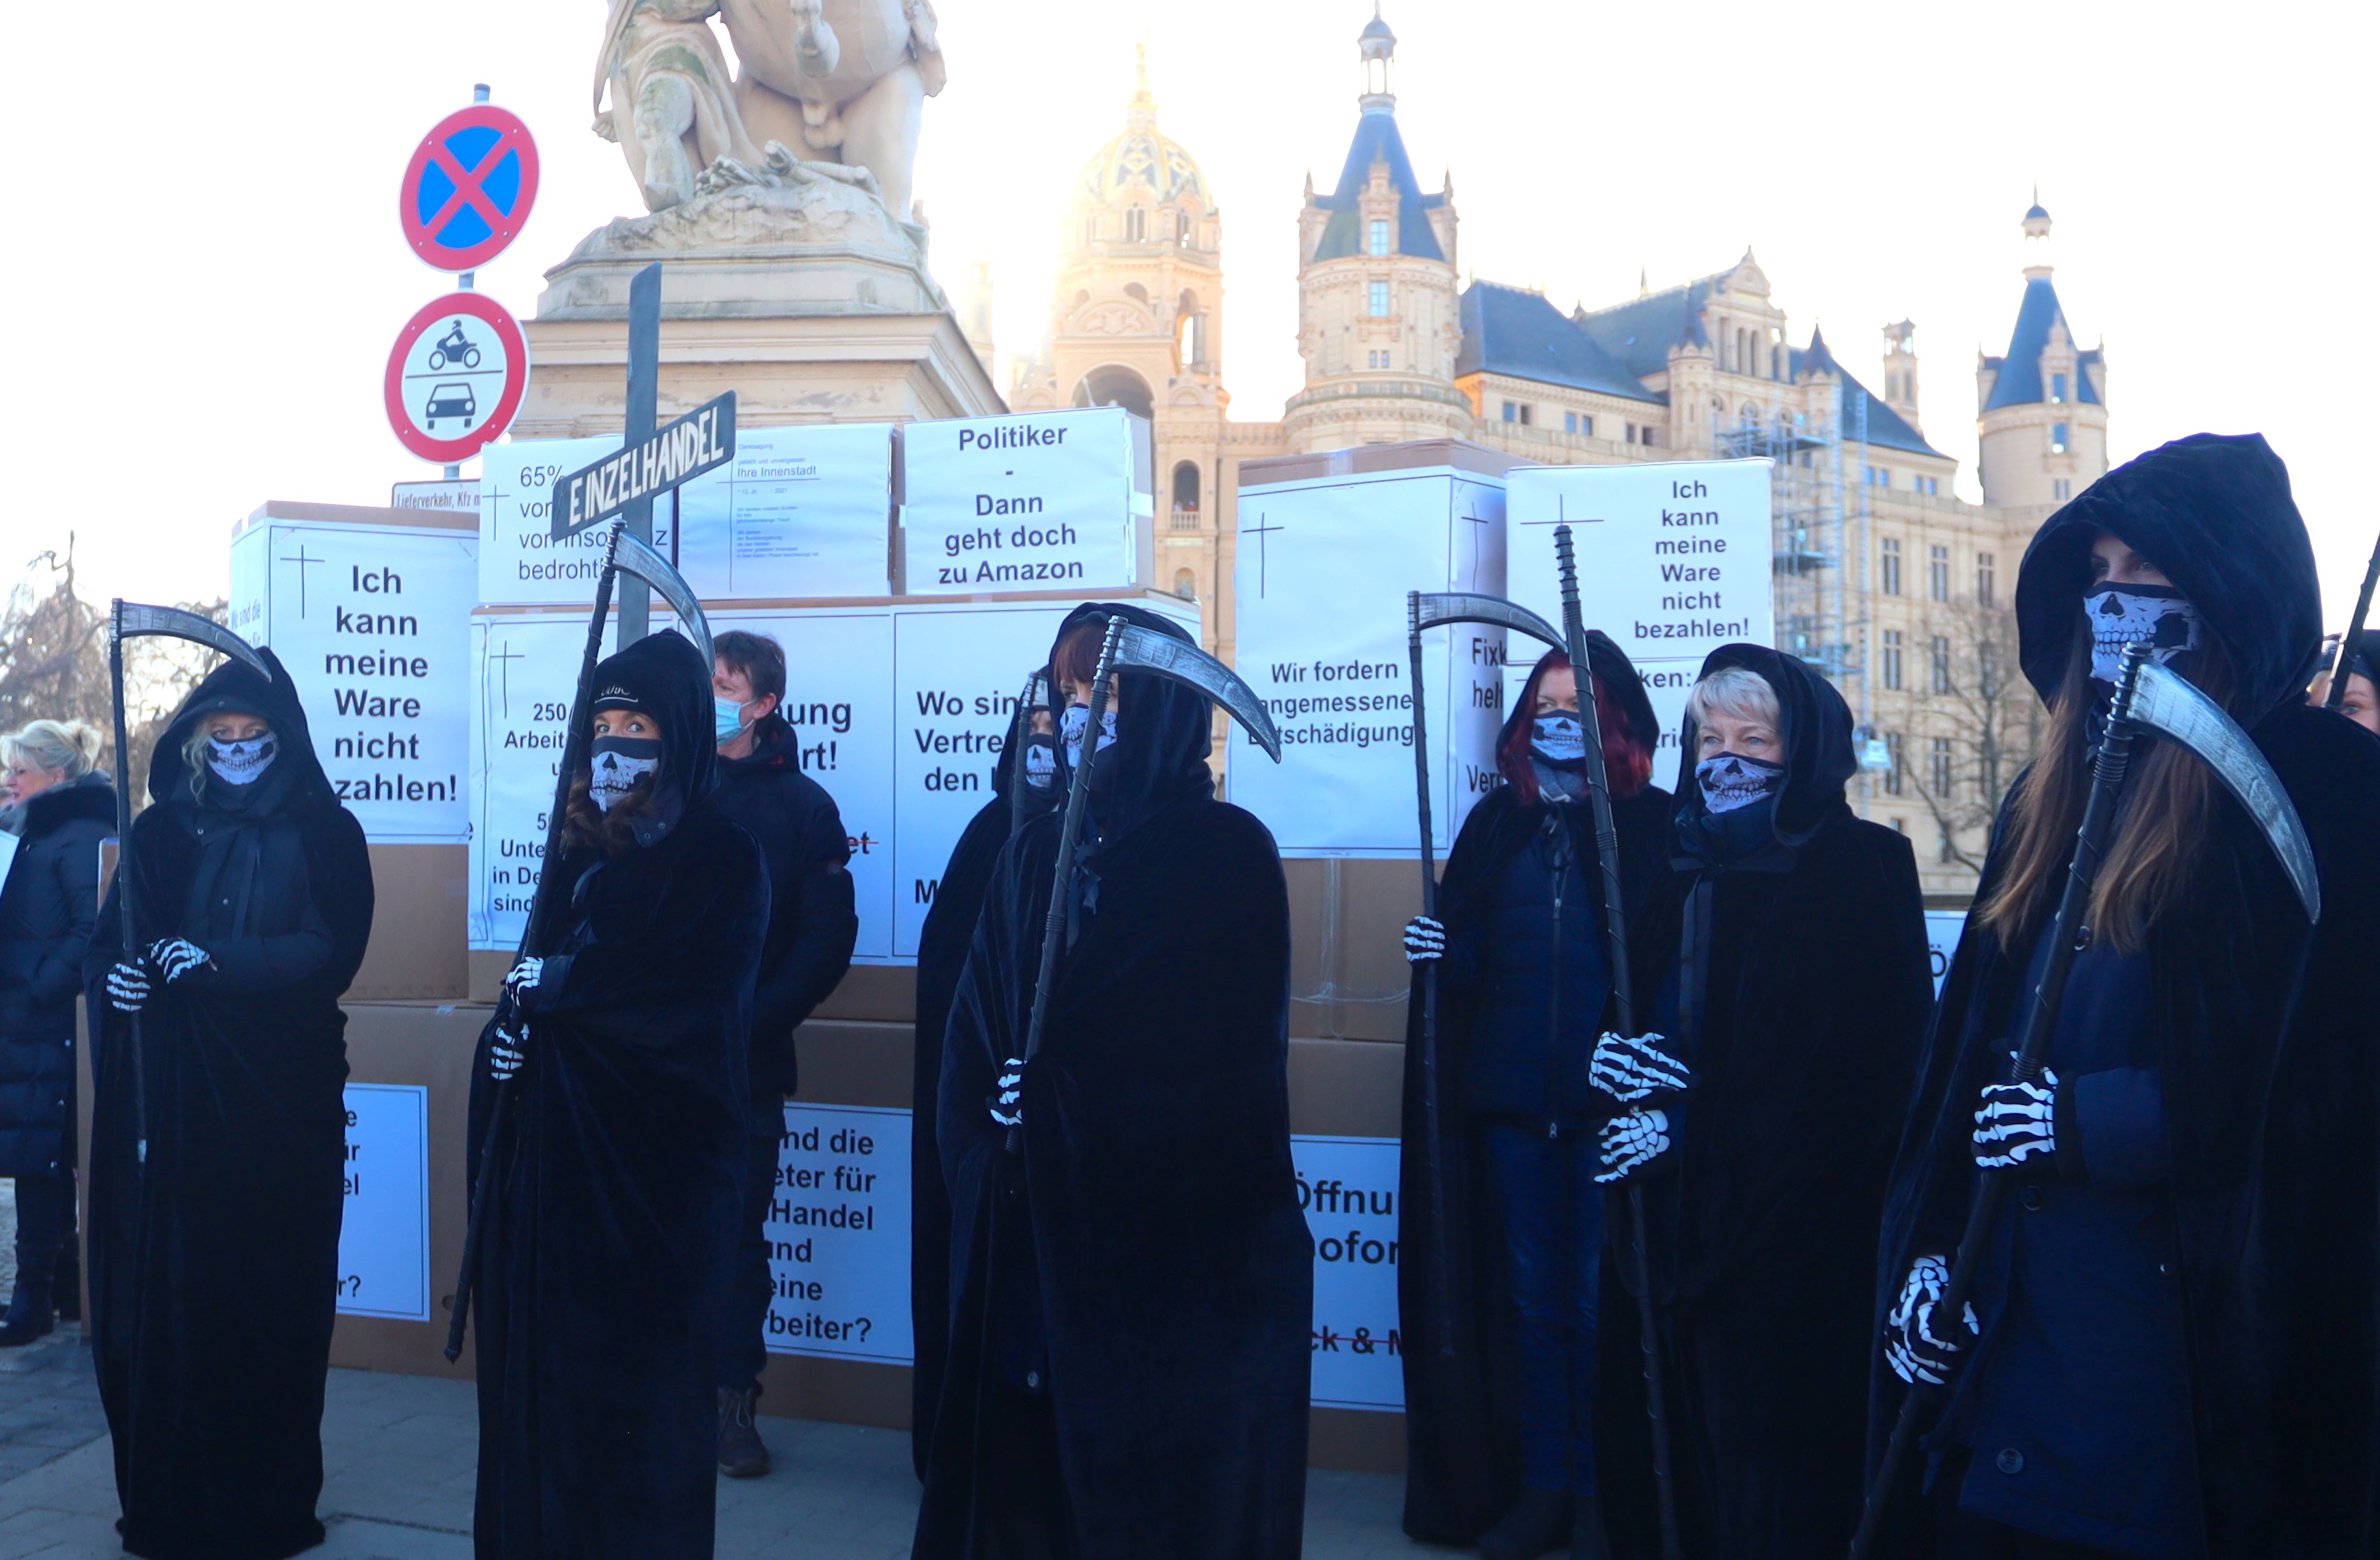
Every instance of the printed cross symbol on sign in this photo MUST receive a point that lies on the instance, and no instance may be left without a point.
(469, 189)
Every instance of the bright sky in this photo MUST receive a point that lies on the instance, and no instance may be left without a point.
(210, 272)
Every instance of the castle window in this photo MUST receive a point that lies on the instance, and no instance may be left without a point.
(1944, 778)
(1986, 576)
(1649, 436)
(2058, 438)
(1632, 432)
(1136, 225)
(1892, 658)
(1379, 236)
(1525, 413)
(2057, 389)
(1890, 573)
(1380, 300)
(1186, 585)
(1893, 777)
(2061, 490)
(1577, 423)
(1587, 424)
(1941, 664)
(1511, 411)
(1185, 490)
(1938, 573)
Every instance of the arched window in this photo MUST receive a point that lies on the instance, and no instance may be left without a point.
(1185, 584)
(1136, 225)
(1113, 385)
(1186, 489)
(1136, 291)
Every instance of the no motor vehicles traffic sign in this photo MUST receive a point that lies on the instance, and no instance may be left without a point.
(455, 376)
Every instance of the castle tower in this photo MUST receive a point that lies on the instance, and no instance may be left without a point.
(1136, 320)
(1901, 370)
(1379, 320)
(2042, 421)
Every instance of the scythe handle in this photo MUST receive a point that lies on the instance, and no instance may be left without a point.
(128, 927)
(2343, 664)
(2069, 935)
(1441, 1281)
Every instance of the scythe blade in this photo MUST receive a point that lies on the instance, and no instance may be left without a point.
(633, 556)
(1464, 606)
(1187, 664)
(132, 621)
(2173, 707)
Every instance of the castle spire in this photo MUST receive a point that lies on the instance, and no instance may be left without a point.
(1376, 46)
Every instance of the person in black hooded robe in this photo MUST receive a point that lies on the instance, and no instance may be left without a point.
(612, 1230)
(1131, 1283)
(942, 946)
(2178, 1354)
(1498, 1431)
(1795, 936)
(214, 1262)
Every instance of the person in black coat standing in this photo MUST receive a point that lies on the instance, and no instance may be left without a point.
(812, 926)
(1132, 1281)
(214, 1259)
(1498, 1433)
(1794, 936)
(942, 946)
(49, 907)
(617, 1193)
(2179, 1354)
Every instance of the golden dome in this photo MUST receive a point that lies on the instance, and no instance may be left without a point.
(1143, 163)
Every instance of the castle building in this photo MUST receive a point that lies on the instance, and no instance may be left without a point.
(1896, 587)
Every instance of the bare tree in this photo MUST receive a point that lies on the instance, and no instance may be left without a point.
(53, 664)
(1978, 700)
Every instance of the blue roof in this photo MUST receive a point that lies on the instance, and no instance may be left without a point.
(1377, 140)
(1884, 426)
(1512, 331)
(2019, 384)
(1639, 333)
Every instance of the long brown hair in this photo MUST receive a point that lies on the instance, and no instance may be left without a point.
(1627, 760)
(605, 834)
(2169, 809)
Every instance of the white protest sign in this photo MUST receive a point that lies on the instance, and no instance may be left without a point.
(1054, 500)
(1674, 562)
(371, 623)
(838, 1234)
(802, 511)
(385, 1222)
(525, 669)
(1324, 568)
(7, 857)
(1943, 930)
(1348, 1189)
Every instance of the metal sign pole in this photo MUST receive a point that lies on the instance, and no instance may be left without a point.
(644, 396)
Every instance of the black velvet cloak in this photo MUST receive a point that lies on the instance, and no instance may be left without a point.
(214, 1267)
(1154, 1198)
(2262, 1027)
(1462, 1409)
(942, 946)
(1803, 986)
(614, 1202)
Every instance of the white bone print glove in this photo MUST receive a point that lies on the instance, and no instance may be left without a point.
(1630, 1070)
(1914, 1348)
(177, 958)
(2017, 1123)
(523, 976)
(1631, 1141)
(1425, 940)
(506, 1053)
(1007, 1106)
(128, 988)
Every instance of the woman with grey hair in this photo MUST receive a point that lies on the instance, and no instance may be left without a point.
(61, 806)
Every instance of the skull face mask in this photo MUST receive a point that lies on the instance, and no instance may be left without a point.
(241, 763)
(618, 763)
(2157, 616)
(1731, 780)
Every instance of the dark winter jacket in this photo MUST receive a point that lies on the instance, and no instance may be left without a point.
(811, 923)
(214, 1261)
(1151, 1202)
(2259, 1025)
(1462, 1425)
(47, 912)
(1795, 935)
(1525, 1057)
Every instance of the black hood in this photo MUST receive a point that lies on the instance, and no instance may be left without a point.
(234, 685)
(2365, 662)
(2215, 513)
(1815, 729)
(1163, 729)
(91, 796)
(668, 680)
(1610, 666)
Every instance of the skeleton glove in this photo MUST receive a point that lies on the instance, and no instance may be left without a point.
(1912, 1348)
(1631, 1141)
(178, 959)
(507, 1052)
(2017, 1123)
(1630, 1070)
(128, 988)
(1425, 940)
(1007, 1106)
(522, 978)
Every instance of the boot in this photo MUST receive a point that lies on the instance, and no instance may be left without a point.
(741, 1454)
(30, 1316)
(1538, 1522)
(1586, 1536)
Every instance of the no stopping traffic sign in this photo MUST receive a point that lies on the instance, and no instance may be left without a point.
(455, 376)
(469, 189)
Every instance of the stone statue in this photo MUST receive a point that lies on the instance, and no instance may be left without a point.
(839, 82)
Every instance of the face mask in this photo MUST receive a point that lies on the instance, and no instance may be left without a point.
(1559, 738)
(1042, 761)
(2157, 616)
(241, 763)
(619, 763)
(1730, 781)
(1074, 722)
(727, 722)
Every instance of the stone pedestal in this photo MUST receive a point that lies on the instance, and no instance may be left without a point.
(804, 298)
